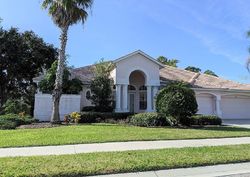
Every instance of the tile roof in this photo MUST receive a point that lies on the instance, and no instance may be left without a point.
(168, 73)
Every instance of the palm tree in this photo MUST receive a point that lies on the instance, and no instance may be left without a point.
(64, 13)
(248, 60)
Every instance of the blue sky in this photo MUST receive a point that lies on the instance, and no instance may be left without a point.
(210, 34)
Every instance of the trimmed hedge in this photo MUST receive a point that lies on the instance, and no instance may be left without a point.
(11, 121)
(205, 120)
(94, 117)
(149, 120)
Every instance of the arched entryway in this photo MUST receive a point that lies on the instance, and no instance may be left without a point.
(134, 94)
(137, 92)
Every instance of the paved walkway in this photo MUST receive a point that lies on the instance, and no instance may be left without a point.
(229, 170)
(118, 146)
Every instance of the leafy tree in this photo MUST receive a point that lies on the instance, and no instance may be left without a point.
(103, 68)
(101, 86)
(177, 100)
(64, 14)
(101, 93)
(169, 62)
(209, 72)
(23, 56)
(70, 86)
(193, 69)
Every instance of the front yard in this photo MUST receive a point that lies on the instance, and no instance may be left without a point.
(109, 133)
(118, 162)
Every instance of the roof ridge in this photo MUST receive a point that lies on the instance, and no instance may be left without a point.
(193, 79)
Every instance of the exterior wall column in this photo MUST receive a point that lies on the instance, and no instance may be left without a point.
(155, 91)
(118, 98)
(149, 99)
(125, 98)
(217, 105)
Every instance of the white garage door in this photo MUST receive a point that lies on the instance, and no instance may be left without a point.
(235, 107)
(206, 104)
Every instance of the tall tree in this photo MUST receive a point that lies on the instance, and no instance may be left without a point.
(193, 69)
(64, 13)
(23, 56)
(209, 72)
(169, 62)
(101, 86)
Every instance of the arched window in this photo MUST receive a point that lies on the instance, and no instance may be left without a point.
(143, 87)
(88, 95)
(131, 87)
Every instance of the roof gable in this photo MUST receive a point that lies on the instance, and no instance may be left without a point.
(141, 53)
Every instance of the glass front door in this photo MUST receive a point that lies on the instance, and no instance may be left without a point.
(131, 102)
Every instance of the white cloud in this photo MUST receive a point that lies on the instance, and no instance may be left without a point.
(220, 25)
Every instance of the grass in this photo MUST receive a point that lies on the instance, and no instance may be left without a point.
(119, 162)
(108, 133)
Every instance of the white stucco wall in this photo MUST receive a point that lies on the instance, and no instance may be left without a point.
(232, 104)
(43, 106)
(84, 100)
(137, 62)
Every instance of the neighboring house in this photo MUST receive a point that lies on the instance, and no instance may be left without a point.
(138, 78)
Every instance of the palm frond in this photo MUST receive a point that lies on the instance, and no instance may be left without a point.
(68, 12)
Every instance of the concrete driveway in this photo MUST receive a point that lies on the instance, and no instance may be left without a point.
(237, 123)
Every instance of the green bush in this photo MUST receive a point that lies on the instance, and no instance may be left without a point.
(15, 106)
(205, 120)
(88, 109)
(178, 101)
(94, 117)
(7, 124)
(149, 120)
(13, 120)
(97, 109)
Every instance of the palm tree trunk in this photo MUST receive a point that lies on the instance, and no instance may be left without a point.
(55, 117)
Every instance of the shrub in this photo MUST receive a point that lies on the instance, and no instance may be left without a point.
(14, 120)
(94, 117)
(15, 106)
(7, 124)
(75, 116)
(177, 100)
(149, 120)
(205, 120)
(97, 109)
(88, 109)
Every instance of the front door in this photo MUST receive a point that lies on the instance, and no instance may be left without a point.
(131, 102)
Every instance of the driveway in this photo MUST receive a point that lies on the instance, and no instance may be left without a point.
(237, 123)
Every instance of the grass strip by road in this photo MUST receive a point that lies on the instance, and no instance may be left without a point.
(98, 133)
(119, 162)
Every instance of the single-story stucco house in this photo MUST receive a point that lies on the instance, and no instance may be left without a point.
(138, 77)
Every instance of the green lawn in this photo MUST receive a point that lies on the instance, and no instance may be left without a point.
(117, 162)
(108, 133)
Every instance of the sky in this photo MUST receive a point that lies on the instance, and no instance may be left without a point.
(209, 34)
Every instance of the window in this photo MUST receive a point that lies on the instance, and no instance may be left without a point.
(143, 100)
(88, 94)
(131, 87)
(143, 87)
